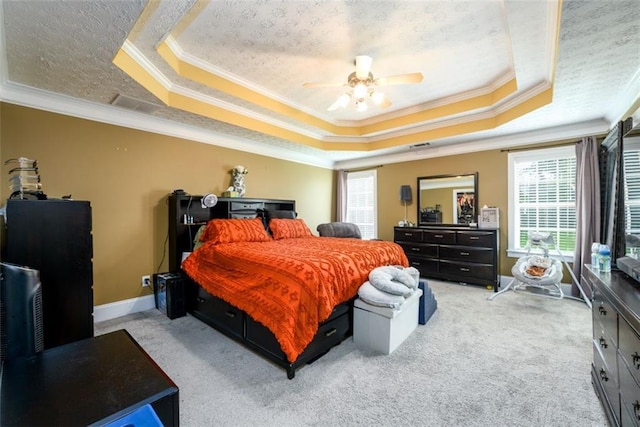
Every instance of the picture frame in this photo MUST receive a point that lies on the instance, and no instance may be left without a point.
(464, 200)
(489, 218)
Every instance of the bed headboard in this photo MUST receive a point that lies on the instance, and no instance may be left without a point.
(186, 216)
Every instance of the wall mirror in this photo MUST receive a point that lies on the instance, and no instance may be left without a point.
(448, 199)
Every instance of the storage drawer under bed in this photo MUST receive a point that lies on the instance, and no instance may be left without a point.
(330, 333)
(214, 310)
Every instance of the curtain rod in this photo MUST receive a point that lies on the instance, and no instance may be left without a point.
(598, 138)
(363, 169)
(540, 147)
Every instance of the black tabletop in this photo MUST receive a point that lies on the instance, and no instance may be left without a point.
(97, 379)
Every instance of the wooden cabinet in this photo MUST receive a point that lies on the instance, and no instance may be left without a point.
(452, 253)
(615, 372)
(54, 237)
(186, 215)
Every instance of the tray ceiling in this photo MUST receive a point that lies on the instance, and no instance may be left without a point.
(496, 73)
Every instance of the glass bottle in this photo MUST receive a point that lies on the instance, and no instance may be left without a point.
(595, 256)
(605, 259)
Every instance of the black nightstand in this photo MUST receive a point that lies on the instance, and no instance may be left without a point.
(92, 381)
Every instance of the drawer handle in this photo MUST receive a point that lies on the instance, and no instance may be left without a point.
(603, 343)
(636, 359)
(331, 332)
(602, 311)
(438, 236)
(408, 234)
(230, 314)
(464, 269)
(474, 238)
(415, 249)
(603, 375)
(464, 253)
(415, 263)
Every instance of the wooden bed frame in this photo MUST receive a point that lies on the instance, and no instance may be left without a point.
(226, 318)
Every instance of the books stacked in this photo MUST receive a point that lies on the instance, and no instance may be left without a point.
(24, 180)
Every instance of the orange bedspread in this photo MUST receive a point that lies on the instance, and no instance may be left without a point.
(290, 285)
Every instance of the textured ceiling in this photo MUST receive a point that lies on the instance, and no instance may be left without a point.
(496, 73)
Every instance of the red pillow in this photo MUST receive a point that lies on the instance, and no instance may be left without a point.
(288, 228)
(235, 230)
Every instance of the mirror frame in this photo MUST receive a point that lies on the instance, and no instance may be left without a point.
(453, 179)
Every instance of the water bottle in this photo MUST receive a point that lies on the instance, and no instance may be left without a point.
(605, 259)
(595, 256)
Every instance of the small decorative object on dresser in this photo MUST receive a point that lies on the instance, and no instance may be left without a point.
(405, 196)
(489, 217)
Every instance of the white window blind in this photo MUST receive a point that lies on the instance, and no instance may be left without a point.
(361, 202)
(542, 188)
(631, 163)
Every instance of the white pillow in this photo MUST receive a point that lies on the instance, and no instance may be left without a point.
(371, 295)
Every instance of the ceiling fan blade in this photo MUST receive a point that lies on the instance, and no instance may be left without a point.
(385, 103)
(399, 79)
(363, 66)
(323, 84)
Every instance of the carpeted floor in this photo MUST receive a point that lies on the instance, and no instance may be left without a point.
(519, 360)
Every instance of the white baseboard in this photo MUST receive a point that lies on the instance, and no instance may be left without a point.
(122, 308)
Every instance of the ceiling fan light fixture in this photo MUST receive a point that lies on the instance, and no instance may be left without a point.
(361, 105)
(360, 91)
(377, 97)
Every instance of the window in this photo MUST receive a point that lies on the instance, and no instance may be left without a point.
(542, 197)
(361, 202)
(631, 162)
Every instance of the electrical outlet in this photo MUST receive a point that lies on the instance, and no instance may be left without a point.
(146, 281)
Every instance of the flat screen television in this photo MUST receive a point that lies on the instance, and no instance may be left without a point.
(21, 332)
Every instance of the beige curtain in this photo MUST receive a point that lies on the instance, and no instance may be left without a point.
(341, 196)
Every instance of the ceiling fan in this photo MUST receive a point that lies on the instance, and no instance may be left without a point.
(363, 85)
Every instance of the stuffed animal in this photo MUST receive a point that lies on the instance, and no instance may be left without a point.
(237, 174)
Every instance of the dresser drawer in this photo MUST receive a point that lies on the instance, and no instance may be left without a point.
(629, 347)
(475, 238)
(440, 237)
(629, 393)
(426, 266)
(607, 377)
(420, 250)
(604, 317)
(463, 271)
(245, 206)
(467, 254)
(227, 317)
(407, 235)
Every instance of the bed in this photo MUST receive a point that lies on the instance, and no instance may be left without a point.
(279, 289)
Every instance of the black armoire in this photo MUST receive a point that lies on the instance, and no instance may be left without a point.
(54, 237)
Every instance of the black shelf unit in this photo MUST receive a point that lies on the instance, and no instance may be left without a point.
(54, 237)
(181, 233)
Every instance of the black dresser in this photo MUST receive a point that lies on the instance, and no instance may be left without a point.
(54, 237)
(458, 254)
(615, 372)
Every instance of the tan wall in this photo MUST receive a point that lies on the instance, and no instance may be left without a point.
(126, 175)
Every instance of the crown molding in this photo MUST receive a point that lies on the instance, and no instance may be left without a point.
(558, 133)
(62, 104)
